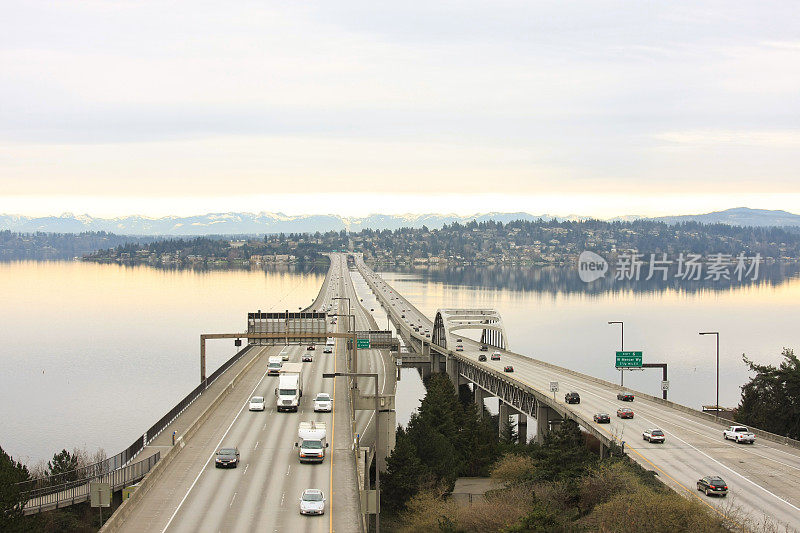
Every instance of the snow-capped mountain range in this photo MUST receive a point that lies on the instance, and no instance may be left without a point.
(261, 223)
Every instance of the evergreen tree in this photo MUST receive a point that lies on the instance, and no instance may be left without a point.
(404, 475)
(508, 431)
(63, 466)
(771, 399)
(12, 500)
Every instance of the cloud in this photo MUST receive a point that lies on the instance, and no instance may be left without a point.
(767, 139)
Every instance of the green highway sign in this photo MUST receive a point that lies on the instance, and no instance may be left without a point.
(629, 360)
(362, 344)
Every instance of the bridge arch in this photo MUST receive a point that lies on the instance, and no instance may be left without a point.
(447, 321)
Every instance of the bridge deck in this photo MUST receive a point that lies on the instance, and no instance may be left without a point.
(763, 478)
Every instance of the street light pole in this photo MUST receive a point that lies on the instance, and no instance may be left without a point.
(716, 334)
(621, 348)
(377, 440)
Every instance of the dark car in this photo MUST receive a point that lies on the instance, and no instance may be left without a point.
(572, 397)
(306, 358)
(602, 418)
(227, 458)
(484, 348)
(625, 396)
(508, 368)
(311, 347)
(459, 348)
(625, 412)
(712, 485)
(481, 357)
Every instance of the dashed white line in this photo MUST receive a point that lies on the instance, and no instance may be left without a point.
(171, 518)
(231, 504)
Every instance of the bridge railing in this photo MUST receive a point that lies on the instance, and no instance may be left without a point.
(78, 490)
(74, 478)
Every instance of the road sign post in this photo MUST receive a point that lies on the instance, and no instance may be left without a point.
(554, 388)
(665, 385)
(362, 344)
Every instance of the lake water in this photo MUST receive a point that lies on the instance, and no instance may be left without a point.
(92, 355)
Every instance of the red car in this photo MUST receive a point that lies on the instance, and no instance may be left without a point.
(625, 412)
(508, 368)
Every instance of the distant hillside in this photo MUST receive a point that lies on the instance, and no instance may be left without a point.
(274, 223)
(739, 216)
(245, 223)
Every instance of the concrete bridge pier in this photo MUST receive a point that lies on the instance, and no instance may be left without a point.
(388, 426)
(522, 428)
(451, 365)
(522, 421)
(544, 417)
(479, 395)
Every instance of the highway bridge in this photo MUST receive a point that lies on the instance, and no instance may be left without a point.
(764, 478)
(189, 494)
(185, 492)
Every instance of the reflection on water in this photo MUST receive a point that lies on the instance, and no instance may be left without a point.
(92, 354)
(566, 280)
(547, 317)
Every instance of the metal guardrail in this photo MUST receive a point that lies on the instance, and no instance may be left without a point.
(78, 491)
(74, 478)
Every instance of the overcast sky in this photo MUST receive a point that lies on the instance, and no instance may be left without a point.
(351, 107)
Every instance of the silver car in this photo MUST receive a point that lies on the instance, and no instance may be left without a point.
(312, 501)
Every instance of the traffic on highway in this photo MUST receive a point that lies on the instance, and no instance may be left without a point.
(277, 453)
(681, 447)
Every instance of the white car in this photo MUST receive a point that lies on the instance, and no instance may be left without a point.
(323, 403)
(257, 403)
(653, 435)
(312, 501)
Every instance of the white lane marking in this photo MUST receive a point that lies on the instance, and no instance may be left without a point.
(256, 446)
(731, 470)
(171, 518)
(231, 504)
(288, 470)
(696, 423)
(706, 455)
(283, 496)
(739, 447)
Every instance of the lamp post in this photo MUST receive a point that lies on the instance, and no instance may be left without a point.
(344, 298)
(716, 334)
(377, 440)
(621, 348)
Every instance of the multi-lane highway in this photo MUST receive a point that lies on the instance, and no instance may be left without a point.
(263, 493)
(764, 478)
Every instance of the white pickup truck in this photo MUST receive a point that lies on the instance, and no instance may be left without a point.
(739, 434)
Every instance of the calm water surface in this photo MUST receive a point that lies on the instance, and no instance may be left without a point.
(551, 318)
(92, 355)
